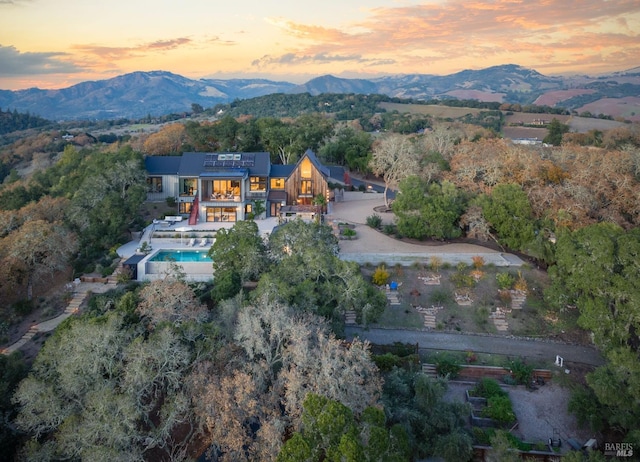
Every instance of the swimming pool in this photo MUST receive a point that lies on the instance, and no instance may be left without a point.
(192, 256)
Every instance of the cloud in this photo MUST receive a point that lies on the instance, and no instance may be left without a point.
(319, 58)
(117, 53)
(14, 63)
(462, 30)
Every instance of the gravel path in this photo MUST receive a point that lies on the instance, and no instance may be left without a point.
(541, 413)
(513, 346)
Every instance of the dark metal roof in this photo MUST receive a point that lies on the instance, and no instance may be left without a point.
(277, 196)
(196, 163)
(315, 161)
(281, 171)
(162, 165)
(134, 259)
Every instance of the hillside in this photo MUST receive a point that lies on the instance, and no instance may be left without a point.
(158, 93)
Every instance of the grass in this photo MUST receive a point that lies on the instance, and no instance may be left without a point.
(401, 317)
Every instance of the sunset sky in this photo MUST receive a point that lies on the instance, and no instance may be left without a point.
(58, 43)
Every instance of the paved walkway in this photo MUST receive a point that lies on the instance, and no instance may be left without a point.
(512, 346)
(81, 291)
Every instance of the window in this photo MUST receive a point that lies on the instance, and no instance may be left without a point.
(305, 168)
(248, 208)
(306, 188)
(154, 184)
(277, 183)
(220, 190)
(185, 207)
(258, 183)
(221, 214)
(188, 186)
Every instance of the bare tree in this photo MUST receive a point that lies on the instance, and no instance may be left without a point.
(38, 249)
(394, 158)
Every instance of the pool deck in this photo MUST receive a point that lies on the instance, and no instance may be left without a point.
(265, 226)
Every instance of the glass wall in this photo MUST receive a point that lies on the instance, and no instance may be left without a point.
(220, 190)
(222, 214)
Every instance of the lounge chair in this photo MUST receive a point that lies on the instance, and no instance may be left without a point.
(203, 242)
(192, 242)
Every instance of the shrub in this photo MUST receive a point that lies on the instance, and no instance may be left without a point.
(389, 229)
(521, 372)
(374, 221)
(446, 366)
(499, 409)
(486, 388)
(440, 297)
(380, 276)
(505, 280)
(463, 280)
(386, 362)
(478, 262)
(435, 263)
(481, 316)
(520, 283)
(171, 201)
(23, 307)
(348, 233)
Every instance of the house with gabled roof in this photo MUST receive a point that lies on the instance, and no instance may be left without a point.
(224, 187)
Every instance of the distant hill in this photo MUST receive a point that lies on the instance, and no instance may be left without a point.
(158, 93)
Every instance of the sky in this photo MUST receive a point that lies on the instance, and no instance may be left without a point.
(58, 43)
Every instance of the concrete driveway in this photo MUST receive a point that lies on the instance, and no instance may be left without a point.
(373, 246)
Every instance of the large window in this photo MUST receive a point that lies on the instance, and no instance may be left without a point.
(221, 214)
(188, 186)
(277, 183)
(306, 188)
(154, 184)
(220, 190)
(258, 183)
(305, 168)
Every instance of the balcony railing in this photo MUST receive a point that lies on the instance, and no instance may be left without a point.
(257, 194)
(222, 198)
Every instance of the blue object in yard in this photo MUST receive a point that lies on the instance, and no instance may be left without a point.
(393, 285)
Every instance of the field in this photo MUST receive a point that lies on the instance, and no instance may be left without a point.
(433, 110)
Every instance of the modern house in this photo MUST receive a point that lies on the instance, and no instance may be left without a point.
(225, 187)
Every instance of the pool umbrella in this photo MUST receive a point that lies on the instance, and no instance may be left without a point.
(182, 230)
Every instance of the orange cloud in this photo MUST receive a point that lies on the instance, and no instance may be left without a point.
(457, 30)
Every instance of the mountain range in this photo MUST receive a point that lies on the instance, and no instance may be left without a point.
(157, 93)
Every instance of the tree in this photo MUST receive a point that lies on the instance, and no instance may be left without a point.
(348, 147)
(428, 210)
(331, 432)
(555, 131)
(308, 275)
(608, 307)
(508, 210)
(169, 300)
(104, 389)
(168, 140)
(239, 250)
(37, 250)
(107, 202)
(394, 158)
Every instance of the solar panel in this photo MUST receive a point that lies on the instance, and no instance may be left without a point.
(212, 161)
